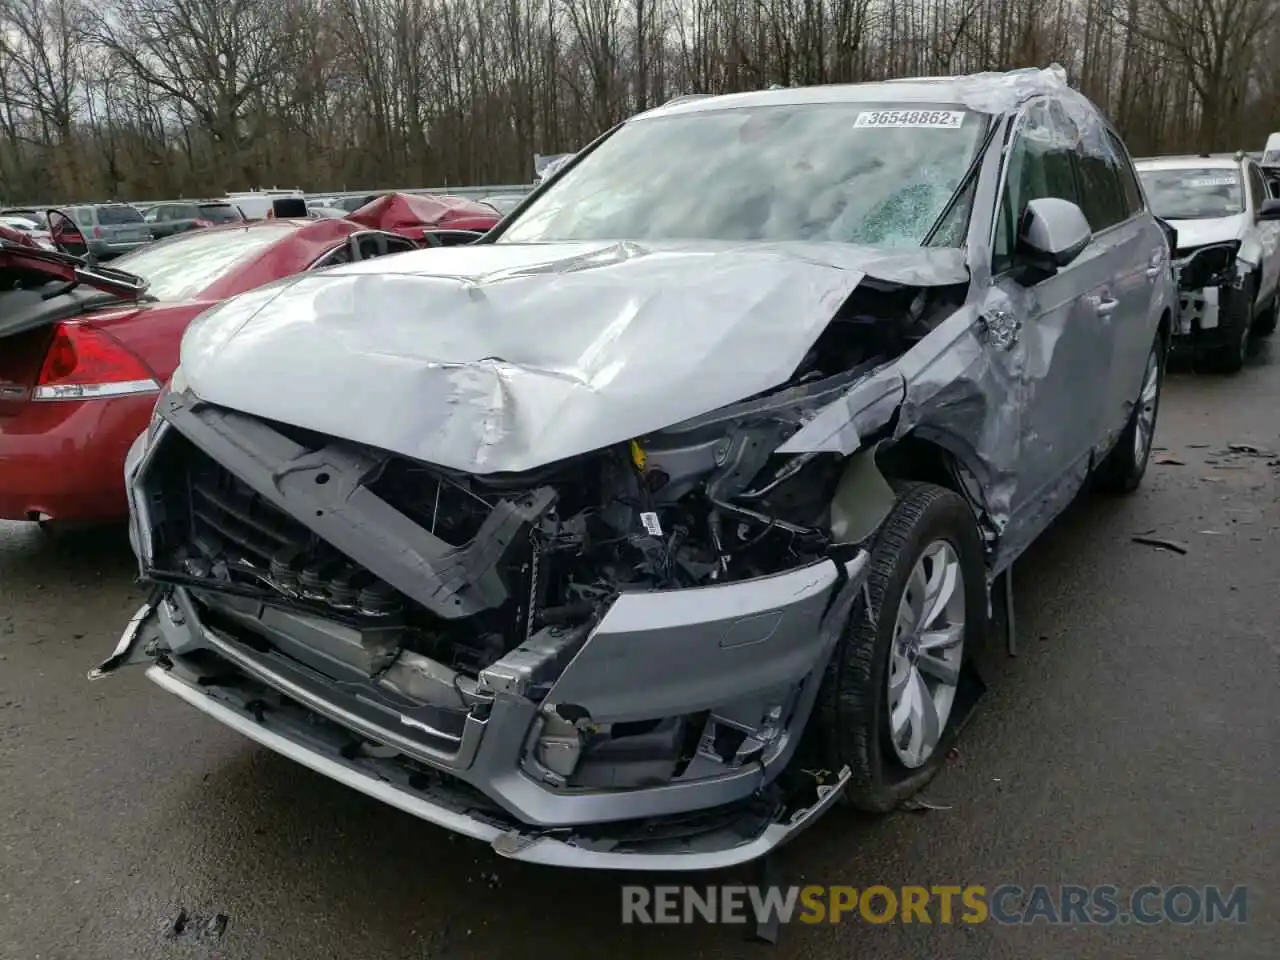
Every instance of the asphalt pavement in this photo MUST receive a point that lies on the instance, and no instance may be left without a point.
(1134, 740)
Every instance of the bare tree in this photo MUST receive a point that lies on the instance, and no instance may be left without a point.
(148, 98)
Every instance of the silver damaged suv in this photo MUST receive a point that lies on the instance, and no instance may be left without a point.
(663, 518)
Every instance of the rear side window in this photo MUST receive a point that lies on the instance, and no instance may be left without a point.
(1128, 176)
(1102, 193)
(1257, 187)
(219, 213)
(118, 213)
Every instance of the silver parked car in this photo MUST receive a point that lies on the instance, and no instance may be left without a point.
(661, 520)
(112, 229)
(1228, 250)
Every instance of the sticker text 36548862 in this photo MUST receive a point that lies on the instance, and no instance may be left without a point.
(933, 119)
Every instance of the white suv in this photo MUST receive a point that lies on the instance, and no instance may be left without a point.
(1228, 250)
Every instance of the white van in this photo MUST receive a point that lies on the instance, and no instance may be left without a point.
(1271, 155)
(256, 204)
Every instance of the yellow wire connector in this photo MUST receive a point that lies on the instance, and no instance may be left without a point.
(638, 455)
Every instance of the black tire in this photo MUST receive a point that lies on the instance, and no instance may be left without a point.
(1124, 467)
(850, 725)
(1265, 325)
(1234, 331)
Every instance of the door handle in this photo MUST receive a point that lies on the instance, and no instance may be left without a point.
(1153, 271)
(1106, 306)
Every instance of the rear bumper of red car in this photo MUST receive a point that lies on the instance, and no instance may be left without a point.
(64, 459)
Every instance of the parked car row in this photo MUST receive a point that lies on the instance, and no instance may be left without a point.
(664, 517)
(178, 216)
(107, 230)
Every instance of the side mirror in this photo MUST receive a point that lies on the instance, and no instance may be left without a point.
(1270, 210)
(1051, 234)
(67, 236)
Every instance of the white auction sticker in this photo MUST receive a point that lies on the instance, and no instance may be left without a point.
(933, 119)
(652, 525)
(1213, 182)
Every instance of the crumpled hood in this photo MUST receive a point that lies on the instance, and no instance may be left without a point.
(1197, 233)
(496, 358)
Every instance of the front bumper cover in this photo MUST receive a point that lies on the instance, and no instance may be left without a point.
(295, 740)
(691, 633)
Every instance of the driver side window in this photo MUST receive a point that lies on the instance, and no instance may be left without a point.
(1257, 188)
(1039, 165)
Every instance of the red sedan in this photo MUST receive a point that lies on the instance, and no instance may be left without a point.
(431, 220)
(84, 350)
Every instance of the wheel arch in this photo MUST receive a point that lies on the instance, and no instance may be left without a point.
(874, 472)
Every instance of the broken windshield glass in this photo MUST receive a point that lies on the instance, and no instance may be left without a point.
(864, 173)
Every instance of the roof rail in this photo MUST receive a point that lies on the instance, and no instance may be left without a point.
(681, 98)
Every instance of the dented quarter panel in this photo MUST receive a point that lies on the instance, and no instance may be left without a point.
(497, 358)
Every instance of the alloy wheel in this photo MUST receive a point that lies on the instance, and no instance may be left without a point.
(926, 653)
(1147, 402)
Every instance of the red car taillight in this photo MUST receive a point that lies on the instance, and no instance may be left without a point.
(84, 363)
(204, 223)
(97, 231)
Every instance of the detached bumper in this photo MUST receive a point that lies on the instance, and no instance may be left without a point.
(723, 651)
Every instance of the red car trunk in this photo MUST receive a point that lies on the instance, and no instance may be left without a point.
(49, 350)
(47, 354)
(84, 350)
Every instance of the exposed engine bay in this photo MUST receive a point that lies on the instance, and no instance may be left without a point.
(703, 502)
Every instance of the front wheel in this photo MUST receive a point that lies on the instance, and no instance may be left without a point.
(1235, 330)
(1124, 467)
(1265, 325)
(886, 703)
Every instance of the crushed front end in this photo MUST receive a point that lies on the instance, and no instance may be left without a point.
(606, 662)
(1208, 276)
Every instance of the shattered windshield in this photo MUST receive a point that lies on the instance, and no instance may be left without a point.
(1194, 193)
(873, 174)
